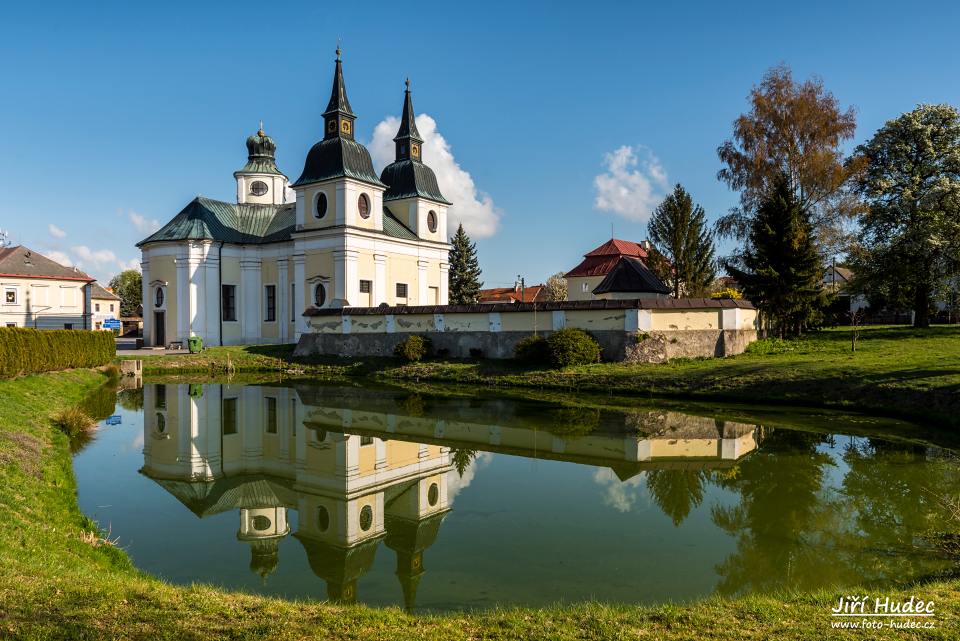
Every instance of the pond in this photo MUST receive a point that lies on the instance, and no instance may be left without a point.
(388, 497)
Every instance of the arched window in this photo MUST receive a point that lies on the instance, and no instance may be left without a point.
(158, 297)
(363, 206)
(319, 295)
(161, 423)
(321, 209)
(258, 188)
(323, 519)
(433, 494)
(366, 518)
(432, 221)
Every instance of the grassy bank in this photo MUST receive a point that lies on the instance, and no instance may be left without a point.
(900, 372)
(59, 579)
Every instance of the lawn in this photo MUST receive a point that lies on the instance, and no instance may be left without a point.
(896, 371)
(59, 578)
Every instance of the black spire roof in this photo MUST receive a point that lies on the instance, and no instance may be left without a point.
(407, 176)
(631, 275)
(338, 94)
(338, 155)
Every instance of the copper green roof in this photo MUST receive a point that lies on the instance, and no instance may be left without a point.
(246, 224)
(338, 158)
(411, 178)
(393, 227)
(261, 152)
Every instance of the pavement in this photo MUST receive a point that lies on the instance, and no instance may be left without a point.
(128, 347)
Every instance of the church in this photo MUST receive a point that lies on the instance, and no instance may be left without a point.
(245, 272)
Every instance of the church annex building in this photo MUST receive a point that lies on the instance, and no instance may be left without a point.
(245, 272)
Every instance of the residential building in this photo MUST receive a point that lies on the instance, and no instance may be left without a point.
(105, 305)
(245, 272)
(837, 280)
(619, 266)
(41, 293)
(517, 293)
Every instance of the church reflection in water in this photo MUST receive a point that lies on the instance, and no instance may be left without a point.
(362, 469)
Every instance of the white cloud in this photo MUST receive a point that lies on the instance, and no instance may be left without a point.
(457, 483)
(143, 224)
(55, 231)
(59, 257)
(93, 257)
(632, 186)
(622, 495)
(133, 263)
(475, 209)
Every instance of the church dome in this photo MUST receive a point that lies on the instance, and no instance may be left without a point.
(260, 145)
(409, 179)
(337, 158)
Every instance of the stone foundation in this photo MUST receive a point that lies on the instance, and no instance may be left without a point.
(616, 345)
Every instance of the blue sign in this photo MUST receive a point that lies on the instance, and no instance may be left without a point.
(113, 420)
(112, 323)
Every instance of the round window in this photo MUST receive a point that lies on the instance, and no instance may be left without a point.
(158, 297)
(161, 424)
(321, 209)
(261, 523)
(319, 295)
(258, 188)
(432, 221)
(433, 494)
(323, 519)
(363, 205)
(366, 518)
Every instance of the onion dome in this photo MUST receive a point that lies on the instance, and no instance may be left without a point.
(338, 155)
(261, 155)
(407, 176)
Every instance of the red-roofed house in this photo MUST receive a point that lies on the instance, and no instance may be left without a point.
(633, 275)
(528, 294)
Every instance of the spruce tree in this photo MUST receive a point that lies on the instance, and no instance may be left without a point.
(464, 270)
(679, 230)
(780, 269)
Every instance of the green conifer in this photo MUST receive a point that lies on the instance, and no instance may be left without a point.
(465, 281)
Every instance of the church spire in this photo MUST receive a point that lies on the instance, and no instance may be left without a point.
(339, 117)
(408, 140)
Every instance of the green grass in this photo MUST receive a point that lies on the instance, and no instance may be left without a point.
(59, 579)
(896, 371)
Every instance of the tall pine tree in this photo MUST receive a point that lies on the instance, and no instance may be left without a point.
(679, 230)
(465, 281)
(780, 269)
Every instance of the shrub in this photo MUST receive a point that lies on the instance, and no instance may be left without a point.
(412, 348)
(570, 346)
(532, 350)
(74, 422)
(32, 351)
(728, 293)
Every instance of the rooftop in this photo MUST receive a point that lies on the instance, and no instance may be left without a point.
(604, 258)
(23, 262)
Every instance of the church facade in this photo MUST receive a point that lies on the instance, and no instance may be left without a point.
(245, 272)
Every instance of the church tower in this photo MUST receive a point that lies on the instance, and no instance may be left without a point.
(259, 181)
(412, 194)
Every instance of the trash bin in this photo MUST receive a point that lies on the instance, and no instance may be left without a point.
(195, 343)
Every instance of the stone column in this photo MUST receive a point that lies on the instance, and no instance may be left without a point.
(146, 302)
(198, 299)
(183, 297)
(212, 298)
(300, 293)
(249, 299)
(444, 284)
(422, 283)
(283, 296)
(380, 293)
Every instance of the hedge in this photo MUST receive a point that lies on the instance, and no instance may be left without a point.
(31, 351)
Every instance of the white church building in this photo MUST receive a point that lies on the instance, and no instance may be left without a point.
(244, 272)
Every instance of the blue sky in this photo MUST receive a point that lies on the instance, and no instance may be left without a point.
(117, 114)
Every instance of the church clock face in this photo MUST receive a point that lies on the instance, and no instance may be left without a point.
(331, 126)
(345, 127)
(415, 150)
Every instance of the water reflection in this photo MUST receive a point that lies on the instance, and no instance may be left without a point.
(361, 468)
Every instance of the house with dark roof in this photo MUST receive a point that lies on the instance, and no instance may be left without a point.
(105, 305)
(339, 235)
(41, 293)
(615, 270)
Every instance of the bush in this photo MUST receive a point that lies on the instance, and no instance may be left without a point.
(532, 350)
(572, 346)
(31, 351)
(74, 421)
(412, 348)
